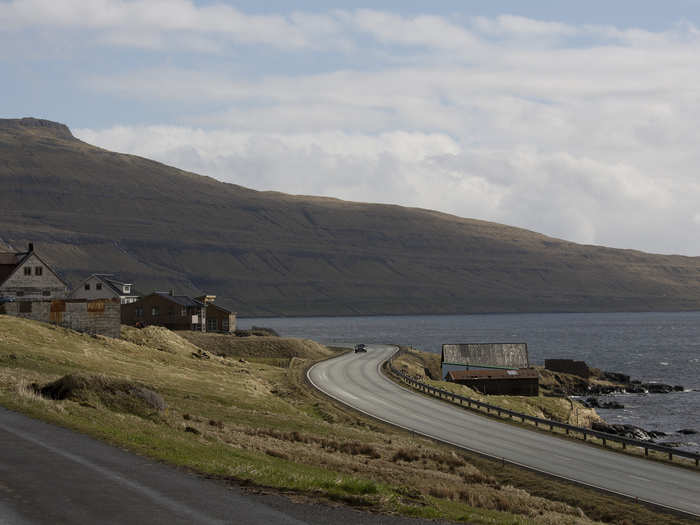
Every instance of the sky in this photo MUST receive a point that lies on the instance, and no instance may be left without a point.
(574, 119)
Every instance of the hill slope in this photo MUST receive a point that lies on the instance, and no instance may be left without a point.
(266, 253)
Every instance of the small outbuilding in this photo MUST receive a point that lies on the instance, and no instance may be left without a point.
(521, 382)
(568, 366)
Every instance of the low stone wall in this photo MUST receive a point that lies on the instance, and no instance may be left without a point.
(568, 366)
(93, 317)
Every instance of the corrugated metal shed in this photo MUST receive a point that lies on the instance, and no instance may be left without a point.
(495, 355)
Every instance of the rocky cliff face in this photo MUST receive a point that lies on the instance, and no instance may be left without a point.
(265, 253)
(27, 124)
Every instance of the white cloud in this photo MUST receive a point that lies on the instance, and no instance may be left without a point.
(582, 132)
(138, 22)
(521, 27)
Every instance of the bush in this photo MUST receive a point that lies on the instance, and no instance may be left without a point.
(259, 331)
(115, 394)
(406, 454)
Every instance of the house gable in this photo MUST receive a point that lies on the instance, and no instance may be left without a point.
(33, 278)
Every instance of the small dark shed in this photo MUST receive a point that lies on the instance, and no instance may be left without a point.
(568, 366)
(521, 382)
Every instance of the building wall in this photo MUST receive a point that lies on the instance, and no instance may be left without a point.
(93, 293)
(158, 310)
(568, 366)
(470, 356)
(92, 317)
(220, 320)
(45, 286)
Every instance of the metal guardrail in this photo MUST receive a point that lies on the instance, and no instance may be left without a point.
(538, 421)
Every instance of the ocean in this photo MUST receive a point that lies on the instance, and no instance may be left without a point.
(653, 347)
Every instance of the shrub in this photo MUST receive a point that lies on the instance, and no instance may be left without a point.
(406, 454)
(115, 394)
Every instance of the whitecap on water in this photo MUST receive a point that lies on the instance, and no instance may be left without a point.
(663, 363)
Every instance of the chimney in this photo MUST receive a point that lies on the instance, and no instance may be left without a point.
(171, 292)
(31, 247)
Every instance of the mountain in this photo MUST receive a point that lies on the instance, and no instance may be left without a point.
(265, 253)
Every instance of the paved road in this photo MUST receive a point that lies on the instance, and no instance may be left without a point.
(50, 475)
(355, 380)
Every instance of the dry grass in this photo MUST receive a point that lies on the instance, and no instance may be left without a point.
(243, 420)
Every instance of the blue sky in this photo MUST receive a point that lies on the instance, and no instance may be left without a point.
(573, 119)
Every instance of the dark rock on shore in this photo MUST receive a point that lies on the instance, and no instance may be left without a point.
(615, 377)
(594, 402)
(658, 388)
(562, 384)
(628, 431)
(687, 431)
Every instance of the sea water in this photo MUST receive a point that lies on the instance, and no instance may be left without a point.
(661, 347)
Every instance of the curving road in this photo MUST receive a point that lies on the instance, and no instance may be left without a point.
(356, 380)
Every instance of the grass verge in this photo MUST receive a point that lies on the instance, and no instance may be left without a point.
(249, 418)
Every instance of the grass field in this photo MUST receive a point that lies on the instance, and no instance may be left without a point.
(250, 417)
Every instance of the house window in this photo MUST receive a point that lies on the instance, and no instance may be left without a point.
(183, 312)
(27, 270)
(211, 324)
(139, 311)
(46, 293)
(98, 286)
(87, 286)
(38, 270)
(20, 293)
(127, 289)
(155, 311)
(25, 307)
(224, 325)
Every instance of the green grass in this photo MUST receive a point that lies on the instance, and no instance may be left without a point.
(255, 422)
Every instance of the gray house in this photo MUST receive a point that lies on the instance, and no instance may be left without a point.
(105, 286)
(26, 276)
(483, 356)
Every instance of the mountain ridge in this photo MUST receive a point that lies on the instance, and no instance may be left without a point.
(268, 253)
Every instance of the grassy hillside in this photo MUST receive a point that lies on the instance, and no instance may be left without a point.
(240, 419)
(264, 253)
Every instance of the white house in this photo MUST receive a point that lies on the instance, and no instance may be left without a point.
(105, 286)
(25, 276)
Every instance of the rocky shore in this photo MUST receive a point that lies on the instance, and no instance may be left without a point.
(596, 392)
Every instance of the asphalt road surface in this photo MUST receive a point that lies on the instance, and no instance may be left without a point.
(355, 379)
(50, 475)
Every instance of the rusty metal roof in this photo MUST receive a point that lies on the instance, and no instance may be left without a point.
(496, 373)
(9, 261)
(496, 355)
(9, 258)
